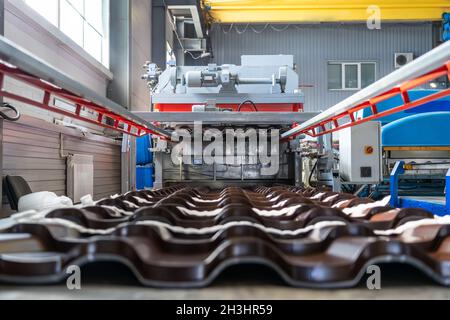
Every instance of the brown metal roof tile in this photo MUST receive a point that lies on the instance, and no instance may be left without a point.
(178, 237)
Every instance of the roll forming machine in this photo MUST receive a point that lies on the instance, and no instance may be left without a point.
(260, 94)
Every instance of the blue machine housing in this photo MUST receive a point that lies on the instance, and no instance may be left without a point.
(425, 126)
(439, 209)
(424, 130)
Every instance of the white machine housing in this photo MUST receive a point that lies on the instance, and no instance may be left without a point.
(263, 79)
(360, 157)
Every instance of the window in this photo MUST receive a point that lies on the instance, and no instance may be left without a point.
(48, 9)
(84, 21)
(351, 75)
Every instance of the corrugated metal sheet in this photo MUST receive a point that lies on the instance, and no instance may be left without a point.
(31, 149)
(314, 45)
(185, 237)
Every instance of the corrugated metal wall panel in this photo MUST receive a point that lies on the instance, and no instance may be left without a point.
(33, 153)
(31, 149)
(314, 45)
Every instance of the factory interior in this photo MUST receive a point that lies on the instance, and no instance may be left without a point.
(225, 149)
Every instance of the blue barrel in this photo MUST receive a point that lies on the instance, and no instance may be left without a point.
(144, 177)
(143, 154)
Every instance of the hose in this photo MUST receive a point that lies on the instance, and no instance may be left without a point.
(428, 163)
(312, 171)
(5, 116)
(245, 102)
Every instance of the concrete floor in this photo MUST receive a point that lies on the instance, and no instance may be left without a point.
(102, 281)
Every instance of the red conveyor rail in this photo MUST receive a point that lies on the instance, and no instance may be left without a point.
(344, 114)
(16, 63)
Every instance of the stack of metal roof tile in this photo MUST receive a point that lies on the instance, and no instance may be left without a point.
(184, 237)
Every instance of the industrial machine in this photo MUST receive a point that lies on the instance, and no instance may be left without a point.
(410, 152)
(260, 97)
(270, 82)
(360, 154)
(417, 158)
(360, 163)
(405, 155)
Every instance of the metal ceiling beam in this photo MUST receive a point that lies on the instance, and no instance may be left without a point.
(194, 13)
(294, 11)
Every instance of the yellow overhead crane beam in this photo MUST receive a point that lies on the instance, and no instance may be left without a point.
(310, 11)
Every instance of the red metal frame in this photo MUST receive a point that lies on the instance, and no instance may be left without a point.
(83, 109)
(334, 123)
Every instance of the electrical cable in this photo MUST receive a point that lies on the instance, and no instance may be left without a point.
(6, 117)
(228, 31)
(312, 171)
(427, 164)
(245, 102)
(241, 31)
(260, 31)
(279, 30)
(250, 27)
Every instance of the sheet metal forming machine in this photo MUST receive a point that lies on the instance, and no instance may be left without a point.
(367, 122)
(262, 93)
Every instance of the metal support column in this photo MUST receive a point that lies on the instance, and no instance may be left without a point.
(119, 87)
(158, 163)
(2, 30)
(298, 162)
(179, 52)
(159, 33)
(398, 170)
(124, 164)
(132, 165)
